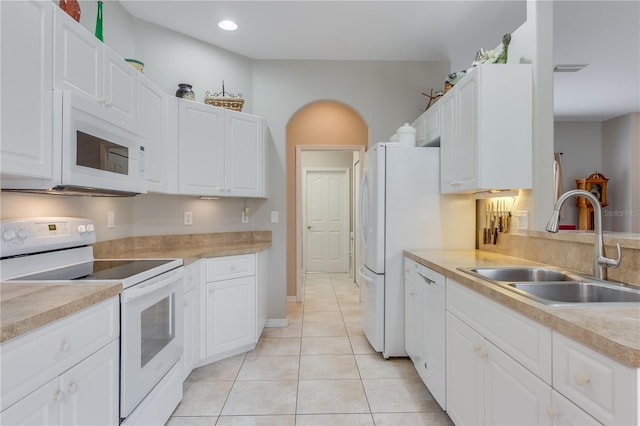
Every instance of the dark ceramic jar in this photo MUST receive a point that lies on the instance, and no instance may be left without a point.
(184, 91)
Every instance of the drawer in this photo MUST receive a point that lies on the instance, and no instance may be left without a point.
(228, 267)
(31, 360)
(525, 340)
(602, 387)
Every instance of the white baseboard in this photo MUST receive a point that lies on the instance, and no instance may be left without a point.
(281, 322)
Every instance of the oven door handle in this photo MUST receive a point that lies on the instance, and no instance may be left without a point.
(144, 289)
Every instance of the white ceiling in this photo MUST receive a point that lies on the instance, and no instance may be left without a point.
(604, 34)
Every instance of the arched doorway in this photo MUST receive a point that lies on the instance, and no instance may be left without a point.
(320, 125)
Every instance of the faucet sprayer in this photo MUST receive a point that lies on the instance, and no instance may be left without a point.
(600, 262)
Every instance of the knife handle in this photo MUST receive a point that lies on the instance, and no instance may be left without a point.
(495, 236)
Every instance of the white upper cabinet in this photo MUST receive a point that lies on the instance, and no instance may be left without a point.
(158, 129)
(26, 83)
(221, 152)
(86, 66)
(486, 130)
(201, 143)
(427, 127)
(244, 154)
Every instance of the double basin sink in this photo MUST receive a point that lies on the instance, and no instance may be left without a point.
(555, 287)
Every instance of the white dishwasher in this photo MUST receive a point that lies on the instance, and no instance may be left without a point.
(430, 288)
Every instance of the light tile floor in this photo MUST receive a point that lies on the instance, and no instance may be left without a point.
(319, 370)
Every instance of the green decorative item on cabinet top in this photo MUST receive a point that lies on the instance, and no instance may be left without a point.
(99, 34)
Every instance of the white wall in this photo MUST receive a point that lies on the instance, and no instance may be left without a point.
(171, 58)
(386, 94)
(117, 25)
(581, 147)
(620, 164)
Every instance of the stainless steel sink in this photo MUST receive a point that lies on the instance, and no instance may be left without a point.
(520, 274)
(555, 287)
(577, 292)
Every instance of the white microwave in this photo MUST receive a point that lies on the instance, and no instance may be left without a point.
(91, 154)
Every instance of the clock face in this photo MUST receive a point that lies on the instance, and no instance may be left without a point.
(596, 190)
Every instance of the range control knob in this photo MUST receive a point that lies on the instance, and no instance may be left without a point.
(23, 233)
(82, 229)
(91, 228)
(8, 235)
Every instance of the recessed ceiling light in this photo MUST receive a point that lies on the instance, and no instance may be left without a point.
(568, 67)
(228, 25)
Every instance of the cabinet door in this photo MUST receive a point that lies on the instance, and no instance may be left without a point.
(78, 57)
(119, 90)
(39, 408)
(244, 155)
(26, 83)
(190, 331)
(466, 140)
(432, 367)
(231, 314)
(151, 116)
(201, 141)
(513, 395)
(465, 378)
(566, 413)
(448, 147)
(91, 389)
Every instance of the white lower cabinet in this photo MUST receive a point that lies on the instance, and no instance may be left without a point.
(566, 413)
(191, 319)
(233, 307)
(66, 373)
(486, 386)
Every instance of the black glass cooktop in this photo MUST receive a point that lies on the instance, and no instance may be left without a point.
(97, 270)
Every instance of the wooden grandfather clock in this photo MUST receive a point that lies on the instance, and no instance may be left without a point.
(596, 183)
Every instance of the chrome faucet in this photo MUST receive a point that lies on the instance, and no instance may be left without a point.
(600, 262)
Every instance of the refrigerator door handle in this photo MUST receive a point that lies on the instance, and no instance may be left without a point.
(365, 276)
(363, 187)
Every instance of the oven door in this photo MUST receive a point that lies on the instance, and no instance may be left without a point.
(151, 335)
(97, 153)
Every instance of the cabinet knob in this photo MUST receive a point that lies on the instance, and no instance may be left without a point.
(73, 388)
(476, 348)
(228, 190)
(58, 397)
(102, 100)
(581, 379)
(234, 267)
(65, 346)
(552, 413)
(108, 103)
(483, 354)
(211, 290)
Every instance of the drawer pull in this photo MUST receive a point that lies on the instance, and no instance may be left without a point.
(581, 379)
(73, 388)
(476, 348)
(65, 346)
(58, 397)
(483, 354)
(234, 267)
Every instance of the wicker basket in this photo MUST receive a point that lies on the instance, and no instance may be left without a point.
(228, 103)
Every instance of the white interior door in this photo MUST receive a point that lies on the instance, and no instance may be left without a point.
(327, 219)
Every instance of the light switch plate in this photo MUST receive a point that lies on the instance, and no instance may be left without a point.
(111, 219)
(522, 220)
(274, 217)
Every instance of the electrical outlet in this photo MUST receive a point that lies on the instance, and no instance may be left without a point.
(111, 219)
(274, 217)
(245, 216)
(188, 218)
(522, 218)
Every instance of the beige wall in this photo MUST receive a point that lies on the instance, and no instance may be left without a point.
(322, 124)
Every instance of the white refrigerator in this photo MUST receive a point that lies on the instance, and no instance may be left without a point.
(400, 207)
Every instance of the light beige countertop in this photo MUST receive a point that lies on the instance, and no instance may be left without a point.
(610, 330)
(192, 253)
(26, 306)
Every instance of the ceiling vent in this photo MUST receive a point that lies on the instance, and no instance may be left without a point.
(568, 67)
